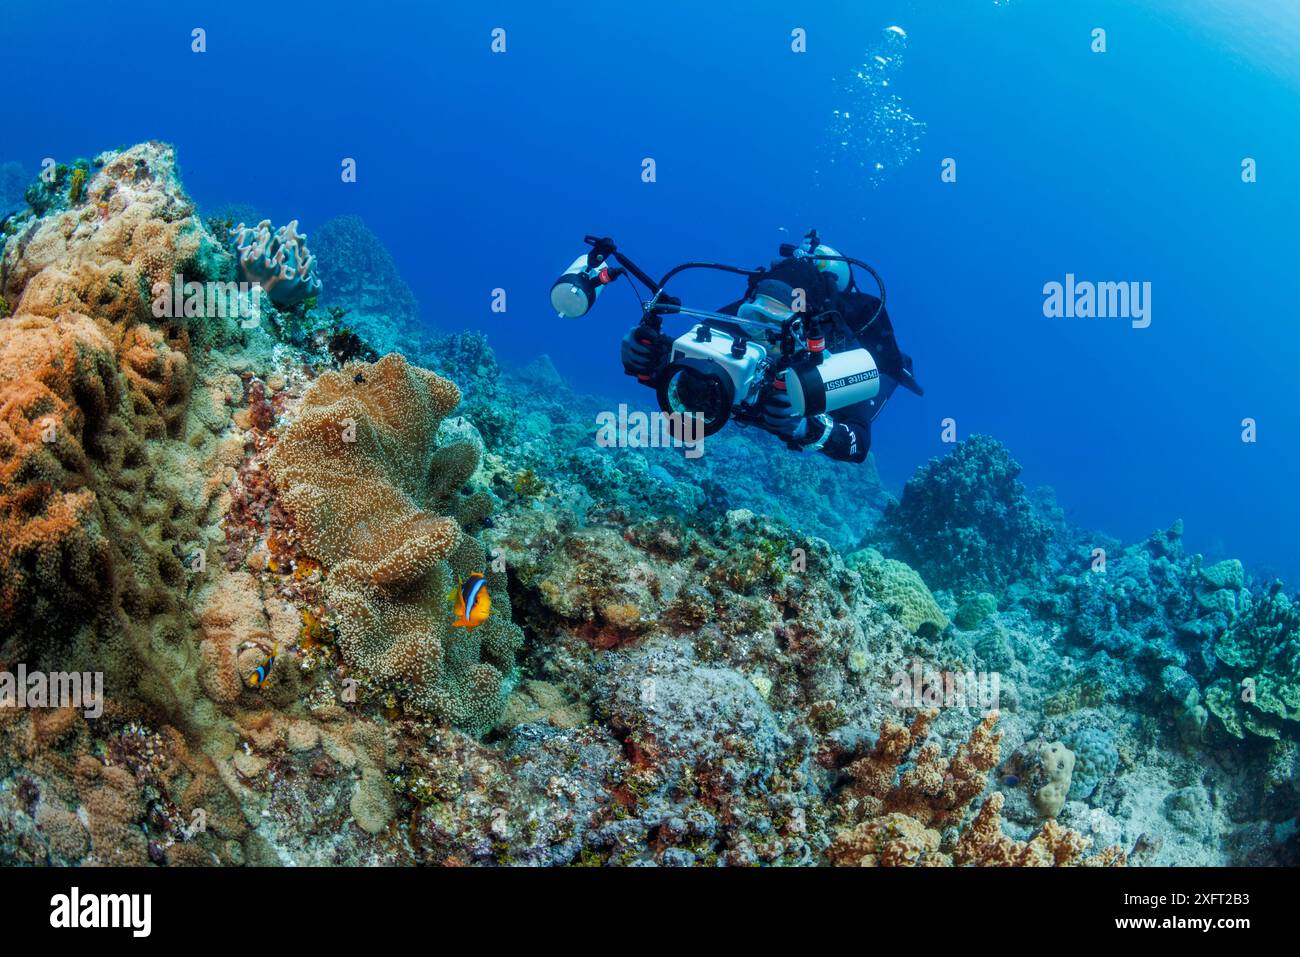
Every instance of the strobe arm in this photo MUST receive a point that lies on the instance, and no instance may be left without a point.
(603, 247)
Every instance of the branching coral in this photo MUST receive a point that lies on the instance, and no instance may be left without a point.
(906, 810)
(279, 261)
(380, 504)
(983, 844)
(931, 790)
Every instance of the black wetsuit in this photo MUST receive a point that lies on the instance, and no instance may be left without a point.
(847, 323)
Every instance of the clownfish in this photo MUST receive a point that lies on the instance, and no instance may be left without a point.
(473, 604)
(258, 677)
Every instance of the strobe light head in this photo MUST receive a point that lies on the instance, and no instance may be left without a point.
(576, 291)
(838, 380)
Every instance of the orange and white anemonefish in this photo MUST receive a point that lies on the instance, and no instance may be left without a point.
(473, 604)
(258, 677)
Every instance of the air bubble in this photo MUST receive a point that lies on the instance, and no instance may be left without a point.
(873, 127)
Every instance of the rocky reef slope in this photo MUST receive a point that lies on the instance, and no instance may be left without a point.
(685, 664)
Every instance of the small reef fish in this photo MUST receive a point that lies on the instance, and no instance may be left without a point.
(473, 604)
(359, 379)
(259, 675)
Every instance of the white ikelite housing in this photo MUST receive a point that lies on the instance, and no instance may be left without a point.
(844, 378)
(717, 349)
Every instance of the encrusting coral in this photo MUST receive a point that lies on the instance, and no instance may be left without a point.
(380, 505)
(900, 589)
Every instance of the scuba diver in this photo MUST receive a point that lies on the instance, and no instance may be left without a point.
(815, 283)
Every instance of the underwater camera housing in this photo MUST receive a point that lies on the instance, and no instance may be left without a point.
(718, 376)
(709, 373)
(724, 365)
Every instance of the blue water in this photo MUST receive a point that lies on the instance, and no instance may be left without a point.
(482, 171)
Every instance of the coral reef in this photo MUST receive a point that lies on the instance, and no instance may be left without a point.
(102, 483)
(689, 662)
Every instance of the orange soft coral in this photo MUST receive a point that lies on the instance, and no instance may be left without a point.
(58, 386)
(983, 844)
(102, 490)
